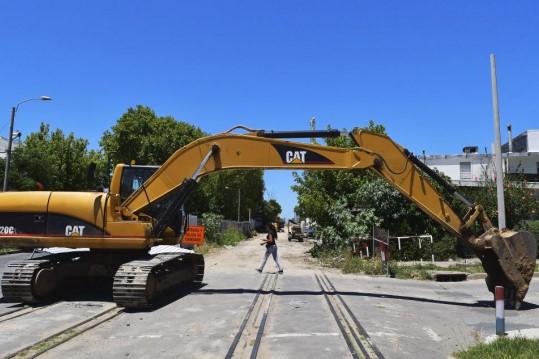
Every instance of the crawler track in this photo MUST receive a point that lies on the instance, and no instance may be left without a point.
(139, 282)
(17, 280)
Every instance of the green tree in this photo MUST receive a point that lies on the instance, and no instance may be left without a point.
(271, 210)
(358, 199)
(223, 188)
(142, 136)
(52, 161)
(346, 224)
(319, 189)
(147, 139)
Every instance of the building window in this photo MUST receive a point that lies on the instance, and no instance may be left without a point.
(538, 168)
(465, 170)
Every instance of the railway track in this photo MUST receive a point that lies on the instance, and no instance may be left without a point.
(17, 312)
(40, 330)
(355, 336)
(249, 337)
(77, 317)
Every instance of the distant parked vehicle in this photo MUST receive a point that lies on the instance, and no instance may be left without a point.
(295, 232)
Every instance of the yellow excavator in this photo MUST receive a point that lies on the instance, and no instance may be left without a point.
(143, 208)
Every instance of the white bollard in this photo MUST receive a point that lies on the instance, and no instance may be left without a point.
(500, 310)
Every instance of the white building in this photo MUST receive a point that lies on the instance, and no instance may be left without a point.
(520, 154)
(4, 144)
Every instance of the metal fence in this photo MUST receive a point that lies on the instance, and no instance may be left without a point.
(246, 227)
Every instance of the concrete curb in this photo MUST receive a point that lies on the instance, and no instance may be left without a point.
(530, 333)
(484, 275)
(472, 276)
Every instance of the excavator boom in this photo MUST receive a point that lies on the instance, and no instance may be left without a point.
(267, 150)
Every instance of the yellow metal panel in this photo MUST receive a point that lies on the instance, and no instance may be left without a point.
(24, 201)
(87, 206)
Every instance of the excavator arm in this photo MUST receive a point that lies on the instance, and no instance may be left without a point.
(508, 257)
(266, 150)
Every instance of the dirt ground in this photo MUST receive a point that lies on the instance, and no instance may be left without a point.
(248, 254)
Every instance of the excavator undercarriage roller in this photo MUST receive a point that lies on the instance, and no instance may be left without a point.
(509, 261)
(138, 283)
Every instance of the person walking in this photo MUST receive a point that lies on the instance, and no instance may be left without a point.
(271, 248)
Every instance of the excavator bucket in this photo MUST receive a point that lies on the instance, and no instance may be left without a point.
(509, 262)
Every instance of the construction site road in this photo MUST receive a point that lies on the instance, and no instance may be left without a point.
(308, 312)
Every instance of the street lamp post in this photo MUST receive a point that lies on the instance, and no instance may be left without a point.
(10, 138)
(239, 201)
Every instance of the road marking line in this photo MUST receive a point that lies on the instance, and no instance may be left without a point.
(432, 334)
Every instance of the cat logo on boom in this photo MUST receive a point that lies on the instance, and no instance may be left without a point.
(298, 155)
(295, 156)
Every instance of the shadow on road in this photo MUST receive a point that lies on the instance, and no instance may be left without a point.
(479, 304)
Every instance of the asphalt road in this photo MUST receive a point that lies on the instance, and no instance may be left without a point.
(403, 318)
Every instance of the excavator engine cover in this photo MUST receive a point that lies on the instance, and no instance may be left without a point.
(510, 263)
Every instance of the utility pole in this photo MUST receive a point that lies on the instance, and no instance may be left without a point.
(497, 146)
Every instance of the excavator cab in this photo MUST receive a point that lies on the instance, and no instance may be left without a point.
(132, 177)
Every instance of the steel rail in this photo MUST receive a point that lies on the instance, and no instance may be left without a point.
(255, 317)
(52, 341)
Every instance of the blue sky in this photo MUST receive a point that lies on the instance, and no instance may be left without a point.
(420, 68)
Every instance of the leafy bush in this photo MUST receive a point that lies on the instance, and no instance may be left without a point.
(345, 225)
(442, 249)
(416, 271)
(445, 248)
(231, 237)
(409, 250)
(352, 263)
(212, 227)
(355, 264)
(520, 200)
(213, 234)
